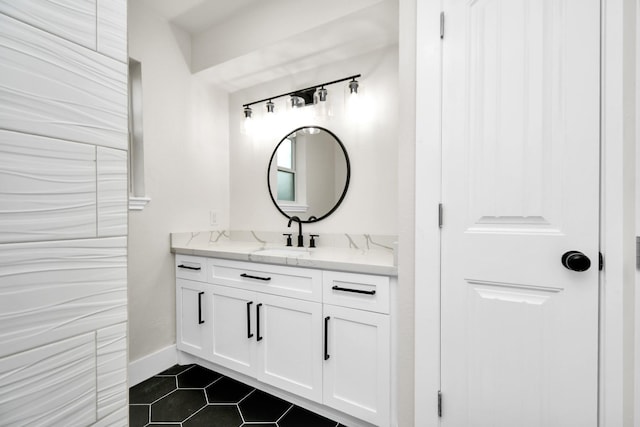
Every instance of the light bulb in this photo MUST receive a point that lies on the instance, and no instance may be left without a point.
(247, 124)
(270, 107)
(353, 87)
(322, 107)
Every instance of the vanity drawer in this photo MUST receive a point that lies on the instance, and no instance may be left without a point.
(301, 283)
(191, 268)
(361, 291)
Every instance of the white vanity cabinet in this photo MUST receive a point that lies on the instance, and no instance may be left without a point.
(272, 338)
(357, 360)
(233, 340)
(289, 343)
(193, 303)
(322, 335)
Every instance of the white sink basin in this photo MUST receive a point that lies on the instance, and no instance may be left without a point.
(284, 252)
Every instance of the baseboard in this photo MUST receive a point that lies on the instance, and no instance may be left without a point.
(152, 364)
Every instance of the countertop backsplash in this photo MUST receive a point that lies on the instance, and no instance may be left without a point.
(344, 240)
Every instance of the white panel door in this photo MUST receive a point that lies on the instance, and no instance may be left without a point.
(234, 329)
(357, 363)
(289, 342)
(520, 189)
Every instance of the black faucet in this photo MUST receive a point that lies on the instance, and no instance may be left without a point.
(300, 238)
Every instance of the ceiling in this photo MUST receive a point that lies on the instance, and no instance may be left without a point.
(195, 16)
(236, 44)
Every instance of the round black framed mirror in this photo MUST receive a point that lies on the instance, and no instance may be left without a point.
(308, 174)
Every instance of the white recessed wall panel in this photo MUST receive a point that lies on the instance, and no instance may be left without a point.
(52, 290)
(112, 29)
(49, 86)
(50, 385)
(47, 188)
(112, 369)
(112, 192)
(74, 20)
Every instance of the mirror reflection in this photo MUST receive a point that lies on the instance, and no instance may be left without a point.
(309, 174)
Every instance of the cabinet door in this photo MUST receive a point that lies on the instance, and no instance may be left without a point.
(289, 344)
(234, 328)
(357, 363)
(193, 317)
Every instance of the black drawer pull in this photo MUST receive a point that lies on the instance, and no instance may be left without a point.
(356, 291)
(326, 338)
(258, 338)
(200, 321)
(189, 267)
(249, 334)
(248, 276)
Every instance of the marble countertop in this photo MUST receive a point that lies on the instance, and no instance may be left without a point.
(352, 253)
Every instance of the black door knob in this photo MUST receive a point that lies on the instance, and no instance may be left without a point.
(576, 261)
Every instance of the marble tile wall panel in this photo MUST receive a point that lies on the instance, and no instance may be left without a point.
(53, 290)
(119, 418)
(47, 188)
(50, 385)
(112, 29)
(112, 192)
(59, 99)
(73, 20)
(52, 87)
(112, 369)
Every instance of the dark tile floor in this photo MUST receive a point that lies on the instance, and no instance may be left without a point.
(193, 396)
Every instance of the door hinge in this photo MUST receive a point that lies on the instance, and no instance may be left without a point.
(439, 404)
(440, 214)
(600, 261)
(441, 25)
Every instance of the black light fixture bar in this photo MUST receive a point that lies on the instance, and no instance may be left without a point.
(356, 76)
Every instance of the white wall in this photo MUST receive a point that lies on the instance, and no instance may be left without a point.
(371, 141)
(407, 217)
(186, 173)
(63, 213)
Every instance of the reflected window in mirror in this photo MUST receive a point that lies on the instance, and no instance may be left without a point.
(286, 170)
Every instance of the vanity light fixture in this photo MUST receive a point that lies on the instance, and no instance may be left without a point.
(247, 124)
(322, 106)
(322, 95)
(302, 97)
(353, 86)
(297, 101)
(270, 106)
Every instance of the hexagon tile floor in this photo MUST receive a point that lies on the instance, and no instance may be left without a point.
(193, 396)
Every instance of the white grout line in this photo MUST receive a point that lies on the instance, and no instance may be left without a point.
(190, 416)
(285, 413)
(248, 394)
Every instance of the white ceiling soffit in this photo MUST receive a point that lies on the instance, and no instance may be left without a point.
(195, 16)
(353, 34)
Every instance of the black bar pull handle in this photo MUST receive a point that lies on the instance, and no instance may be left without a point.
(248, 276)
(326, 338)
(258, 337)
(188, 267)
(200, 321)
(249, 334)
(356, 291)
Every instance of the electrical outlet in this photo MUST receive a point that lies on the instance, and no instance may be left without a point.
(213, 217)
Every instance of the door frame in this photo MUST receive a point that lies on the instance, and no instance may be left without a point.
(617, 281)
